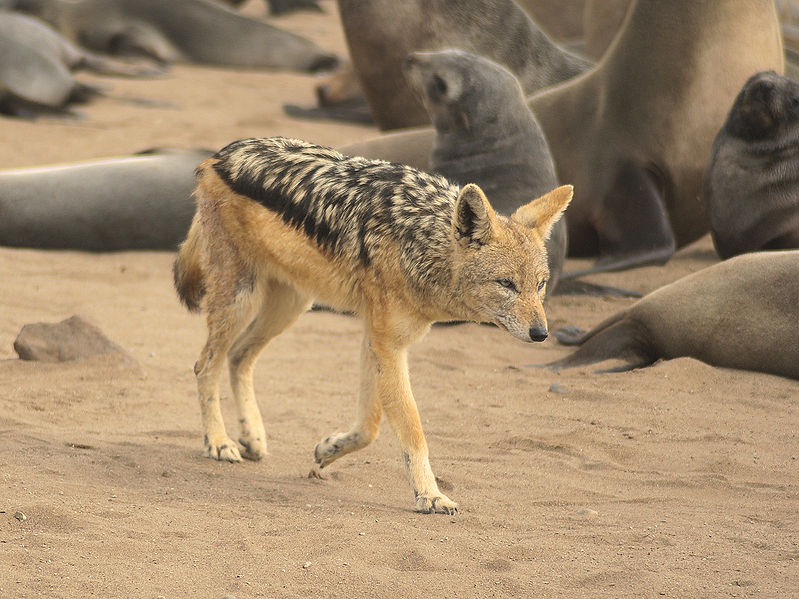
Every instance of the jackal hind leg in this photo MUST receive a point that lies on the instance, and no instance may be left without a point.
(228, 314)
(367, 418)
(280, 307)
(393, 390)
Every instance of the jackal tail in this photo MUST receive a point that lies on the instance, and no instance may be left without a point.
(187, 272)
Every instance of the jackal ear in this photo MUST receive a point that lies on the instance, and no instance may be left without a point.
(542, 213)
(474, 216)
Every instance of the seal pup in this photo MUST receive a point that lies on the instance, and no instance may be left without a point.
(752, 180)
(741, 313)
(199, 31)
(486, 134)
(140, 202)
(381, 33)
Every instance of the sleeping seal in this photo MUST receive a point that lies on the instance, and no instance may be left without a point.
(486, 134)
(741, 313)
(198, 31)
(140, 202)
(381, 33)
(36, 64)
(752, 181)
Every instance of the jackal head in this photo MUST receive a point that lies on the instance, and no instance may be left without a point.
(500, 266)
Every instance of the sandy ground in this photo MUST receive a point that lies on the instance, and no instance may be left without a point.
(680, 480)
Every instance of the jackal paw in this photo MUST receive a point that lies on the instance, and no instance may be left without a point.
(435, 504)
(254, 449)
(225, 450)
(328, 450)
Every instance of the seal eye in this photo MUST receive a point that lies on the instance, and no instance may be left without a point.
(508, 284)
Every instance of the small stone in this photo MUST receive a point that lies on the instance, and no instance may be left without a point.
(587, 512)
(361, 534)
(20, 516)
(229, 597)
(306, 565)
(558, 388)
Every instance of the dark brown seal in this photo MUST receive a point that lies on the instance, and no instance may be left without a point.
(752, 181)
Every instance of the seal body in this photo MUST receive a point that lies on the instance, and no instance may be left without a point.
(486, 134)
(140, 202)
(752, 180)
(741, 313)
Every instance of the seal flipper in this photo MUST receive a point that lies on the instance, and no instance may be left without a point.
(618, 338)
(633, 225)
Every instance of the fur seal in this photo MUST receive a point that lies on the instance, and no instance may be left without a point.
(486, 134)
(381, 33)
(130, 203)
(198, 31)
(752, 180)
(36, 64)
(634, 134)
(741, 313)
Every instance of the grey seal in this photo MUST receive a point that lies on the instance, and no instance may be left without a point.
(36, 65)
(486, 134)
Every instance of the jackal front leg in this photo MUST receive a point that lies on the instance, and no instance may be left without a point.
(393, 389)
(367, 418)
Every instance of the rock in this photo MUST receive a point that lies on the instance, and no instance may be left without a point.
(20, 516)
(70, 339)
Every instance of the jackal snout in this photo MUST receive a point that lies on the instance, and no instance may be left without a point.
(538, 332)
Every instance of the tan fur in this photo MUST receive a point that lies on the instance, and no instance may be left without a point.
(259, 274)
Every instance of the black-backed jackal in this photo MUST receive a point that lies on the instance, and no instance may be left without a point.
(281, 222)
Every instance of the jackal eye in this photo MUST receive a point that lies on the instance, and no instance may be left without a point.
(508, 284)
(542, 285)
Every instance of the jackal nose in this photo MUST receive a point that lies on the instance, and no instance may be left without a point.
(538, 333)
